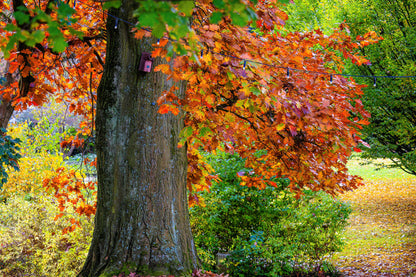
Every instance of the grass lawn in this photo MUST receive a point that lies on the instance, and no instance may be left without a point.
(381, 240)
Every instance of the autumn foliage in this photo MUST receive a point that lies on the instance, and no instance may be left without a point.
(51, 50)
(274, 92)
(70, 190)
(248, 90)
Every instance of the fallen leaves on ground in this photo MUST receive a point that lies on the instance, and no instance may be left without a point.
(381, 240)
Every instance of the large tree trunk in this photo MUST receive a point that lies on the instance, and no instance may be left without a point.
(142, 221)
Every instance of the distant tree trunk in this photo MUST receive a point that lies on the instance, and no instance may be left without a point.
(142, 221)
(6, 107)
(6, 112)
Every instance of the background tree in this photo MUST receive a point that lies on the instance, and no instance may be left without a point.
(57, 53)
(308, 15)
(392, 131)
(278, 104)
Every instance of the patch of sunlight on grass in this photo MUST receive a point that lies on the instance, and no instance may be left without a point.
(370, 239)
(369, 171)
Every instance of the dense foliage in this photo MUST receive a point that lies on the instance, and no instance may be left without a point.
(34, 222)
(250, 107)
(391, 102)
(33, 243)
(391, 132)
(308, 15)
(9, 154)
(247, 91)
(266, 232)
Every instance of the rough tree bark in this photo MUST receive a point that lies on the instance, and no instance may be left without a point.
(6, 112)
(6, 107)
(142, 221)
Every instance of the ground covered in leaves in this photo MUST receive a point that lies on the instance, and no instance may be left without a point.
(381, 240)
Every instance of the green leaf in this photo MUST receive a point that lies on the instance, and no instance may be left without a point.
(179, 49)
(158, 30)
(239, 19)
(186, 7)
(182, 30)
(238, 7)
(20, 36)
(38, 36)
(53, 30)
(255, 90)
(240, 103)
(41, 16)
(6, 50)
(216, 17)
(219, 4)
(187, 132)
(65, 10)
(21, 17)
(230, 75)
(168, 17)
(204, 131)
(11, 28)
(148, 19)
(59, 44)
(280, 127)
(74, 32)
(112, 4)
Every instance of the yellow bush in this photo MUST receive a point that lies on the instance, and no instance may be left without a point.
(33, 222)
(33, 170)
(36, 164)
(33, 244)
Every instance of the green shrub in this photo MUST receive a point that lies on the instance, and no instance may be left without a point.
(230, 212)
(307, 232)
(266, 232)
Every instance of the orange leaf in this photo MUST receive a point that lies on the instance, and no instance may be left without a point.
(13, 66)
(158, 52)
(139, 34)
(163, 109)
(58, 216)
(164, 68)
(25, 72)
(174, 110)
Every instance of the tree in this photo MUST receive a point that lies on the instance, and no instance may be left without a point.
(278, 104)
(6, 108)
(391, 102)
(308, 15)
(37, 67)
(142, 218)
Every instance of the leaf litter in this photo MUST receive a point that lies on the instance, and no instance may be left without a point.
(381, 238)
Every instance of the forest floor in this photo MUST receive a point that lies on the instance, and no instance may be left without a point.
(381, 238)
